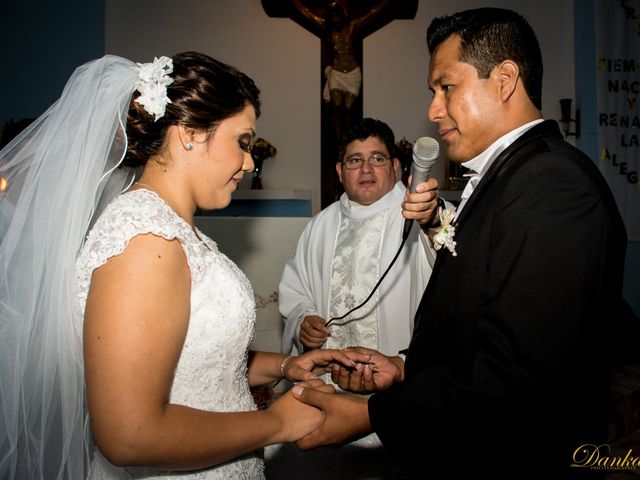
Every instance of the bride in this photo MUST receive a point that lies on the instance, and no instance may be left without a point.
(143, 314)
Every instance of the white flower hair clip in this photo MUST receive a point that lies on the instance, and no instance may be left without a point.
(152, 85)
(444, 235)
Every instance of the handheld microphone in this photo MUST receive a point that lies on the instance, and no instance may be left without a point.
(425, 154)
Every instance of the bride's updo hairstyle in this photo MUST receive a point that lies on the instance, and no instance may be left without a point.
(204, 92)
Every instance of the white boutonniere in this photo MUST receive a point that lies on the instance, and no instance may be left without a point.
(445, 233)
(152, 85)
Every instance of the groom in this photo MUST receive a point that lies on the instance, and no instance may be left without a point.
(506, 374)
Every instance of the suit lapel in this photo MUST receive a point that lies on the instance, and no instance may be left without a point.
(548, 127)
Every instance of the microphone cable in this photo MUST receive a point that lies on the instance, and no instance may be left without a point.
(332, 319)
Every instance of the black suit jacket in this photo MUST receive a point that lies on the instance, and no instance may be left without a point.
(506, 374)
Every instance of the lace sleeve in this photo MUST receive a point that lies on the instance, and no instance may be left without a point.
(134, 213)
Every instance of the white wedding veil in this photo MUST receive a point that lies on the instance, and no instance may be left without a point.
(60, 171)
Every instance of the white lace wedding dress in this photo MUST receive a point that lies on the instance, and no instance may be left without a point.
(212, 370)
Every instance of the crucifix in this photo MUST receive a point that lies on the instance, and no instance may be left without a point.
(341, 25)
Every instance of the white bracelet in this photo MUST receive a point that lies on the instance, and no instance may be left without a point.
(282, 365)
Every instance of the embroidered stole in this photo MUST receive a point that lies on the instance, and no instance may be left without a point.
(355, 269)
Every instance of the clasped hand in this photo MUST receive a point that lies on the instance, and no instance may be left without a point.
(343, 416)
(354, 369)
(377, 373)
(314, 363)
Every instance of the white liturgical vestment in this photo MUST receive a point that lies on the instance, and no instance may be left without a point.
(340, 256)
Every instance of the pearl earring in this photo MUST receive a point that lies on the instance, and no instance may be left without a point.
(188, 147)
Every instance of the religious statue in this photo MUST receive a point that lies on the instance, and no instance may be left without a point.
(341, 25)
(343, 76)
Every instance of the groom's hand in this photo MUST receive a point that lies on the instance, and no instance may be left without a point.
(346, 417)
(377, 373)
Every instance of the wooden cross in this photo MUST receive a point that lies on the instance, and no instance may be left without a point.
(341, 25)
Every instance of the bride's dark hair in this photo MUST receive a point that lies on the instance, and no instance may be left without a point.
(204, 92)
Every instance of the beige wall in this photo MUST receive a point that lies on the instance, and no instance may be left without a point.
(284, 60)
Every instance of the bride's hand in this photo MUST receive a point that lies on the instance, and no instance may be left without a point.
(296, 418)
(317, 362)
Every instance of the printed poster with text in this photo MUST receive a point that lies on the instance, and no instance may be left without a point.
(618, 85)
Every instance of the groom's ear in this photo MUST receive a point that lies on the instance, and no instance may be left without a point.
(508, 76)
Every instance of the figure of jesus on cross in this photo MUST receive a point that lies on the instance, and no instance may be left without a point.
(341, 25)
(343, 75)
